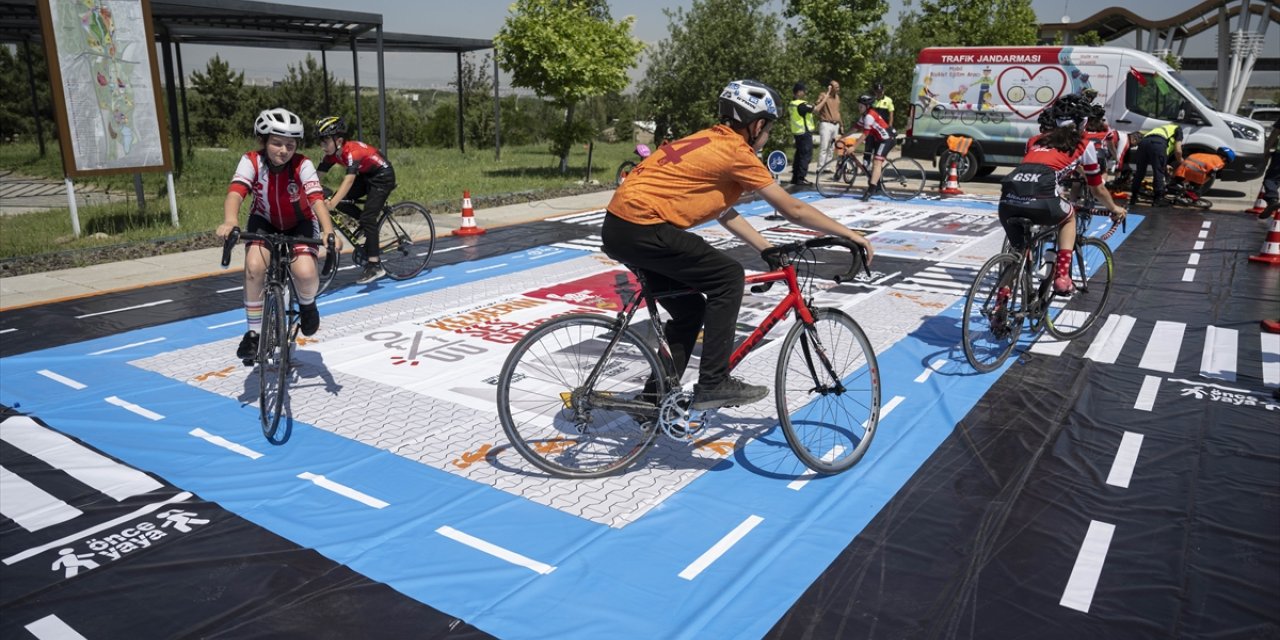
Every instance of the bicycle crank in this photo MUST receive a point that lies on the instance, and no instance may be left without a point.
(677, 421)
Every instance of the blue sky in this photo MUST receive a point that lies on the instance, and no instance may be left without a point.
(483, 18)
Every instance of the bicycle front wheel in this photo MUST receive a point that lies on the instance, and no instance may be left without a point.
(326, 279)
(559, 423)
(828, 391)
(273, 361)
(993, 312)
(1091, 272)
(407, 237)
(903, 178)
(835, 178)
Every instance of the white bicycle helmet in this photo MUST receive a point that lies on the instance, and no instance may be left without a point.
(745, 101)
(281, 122)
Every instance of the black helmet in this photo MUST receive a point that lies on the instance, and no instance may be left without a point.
(877, 86)
(331, 126)
(745, 101)
(1071, 109)
(866, 99)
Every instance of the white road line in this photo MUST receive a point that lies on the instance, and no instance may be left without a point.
(579, 215)
(718, 549)
(136, 306)
(343, 490)
(494, 550)
(1198, 246)
(479, 269)
(1110, 340)
(30, 506)
(933, 366)
(51, 627)
(76, 460)
(1189, 275)
(1206, 224)
(1218, 360)
(348, 267)
(1271, 359)
(1147, 394)
(1126, 459)
(146, 413)
(799, 483)
(1162, 349)
(545, 255)
(1193, 259)
(138, 513)
(1049, 345)
(448, 249)
(225, 443)
(414, 284)
(352, 297)
(63, 379)
(229, 290)
(1203, 234)
(7, 330)
(887, 409)
(127, 346)
(225, 324)
(1083, 582)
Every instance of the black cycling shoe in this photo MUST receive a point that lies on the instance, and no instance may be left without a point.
(731, 392)
(248, 348)
(308, 319)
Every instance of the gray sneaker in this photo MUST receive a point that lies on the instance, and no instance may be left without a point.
(372, 271)
(731, 392)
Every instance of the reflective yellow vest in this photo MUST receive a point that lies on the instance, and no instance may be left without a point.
(800, 125)
(1165, 132)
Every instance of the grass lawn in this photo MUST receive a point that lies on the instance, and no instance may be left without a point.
(427, 175)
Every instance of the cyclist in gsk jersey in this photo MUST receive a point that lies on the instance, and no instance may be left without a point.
(287, 199)
(682, 185)
(368, 175)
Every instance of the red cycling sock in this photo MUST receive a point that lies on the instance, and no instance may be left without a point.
(1064, 263)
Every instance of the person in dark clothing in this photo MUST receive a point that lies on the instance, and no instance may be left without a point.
(1154, 150)
(800, 118)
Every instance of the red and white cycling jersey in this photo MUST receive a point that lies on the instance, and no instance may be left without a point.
(282, 197)
(875, 127)
(357, 157)
(1043, 170)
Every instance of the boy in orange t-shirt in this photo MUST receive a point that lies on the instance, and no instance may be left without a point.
(684, 184)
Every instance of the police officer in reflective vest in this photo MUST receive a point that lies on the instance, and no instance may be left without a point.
(1154, 150)
(800, 117)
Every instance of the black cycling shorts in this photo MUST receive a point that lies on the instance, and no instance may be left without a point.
(1045, 212)
(306, 228)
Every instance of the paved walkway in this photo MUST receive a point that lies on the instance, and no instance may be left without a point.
(25, 194)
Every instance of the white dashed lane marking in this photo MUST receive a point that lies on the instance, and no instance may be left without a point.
(136, 306)
(62, 379)
(343, 490)
(720, 548)
(494, 550)
(126, 346)
(1083, 582)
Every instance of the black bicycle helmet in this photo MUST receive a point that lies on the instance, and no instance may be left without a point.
(331, 126)
(745, 101)
(866, 99)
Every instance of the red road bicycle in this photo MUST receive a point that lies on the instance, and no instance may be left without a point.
(583, 396)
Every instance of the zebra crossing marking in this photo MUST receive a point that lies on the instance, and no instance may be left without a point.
(1162, 349)
(1147, 394)
(1126, 459)
(1271, 359)
(51, 627)
(1110, 339)
(30, 506)
(1218, 360)
(78, 461)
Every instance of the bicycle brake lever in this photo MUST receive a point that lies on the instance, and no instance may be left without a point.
(762, 287)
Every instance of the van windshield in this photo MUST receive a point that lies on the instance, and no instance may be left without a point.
(1186, 86)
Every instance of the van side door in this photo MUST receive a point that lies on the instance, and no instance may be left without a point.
(1150, 101)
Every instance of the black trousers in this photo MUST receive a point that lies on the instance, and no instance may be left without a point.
(375, 189)
(1271, 179)
(669, 259)
(1153, 151)
(804, 154)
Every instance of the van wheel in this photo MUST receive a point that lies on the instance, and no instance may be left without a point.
(967, 168)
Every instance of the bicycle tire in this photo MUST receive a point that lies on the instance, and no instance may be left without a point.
(1092, 269)
(835, 178)
(828, 429)
(992, 323)
(273, 361)
(902, 179)
(542, 379)
(406, 239)
(624, 170)
(326, 279)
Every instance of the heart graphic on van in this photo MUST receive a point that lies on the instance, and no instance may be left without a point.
(1027, 93)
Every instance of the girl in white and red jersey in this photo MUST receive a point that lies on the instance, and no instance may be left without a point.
(880, 138)
(1033, 190)
(287, 199)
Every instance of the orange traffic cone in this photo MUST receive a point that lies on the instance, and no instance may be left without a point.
(952, 188)
(1258, 205)
(1270, 253)
(469, 227)
(1271, 326)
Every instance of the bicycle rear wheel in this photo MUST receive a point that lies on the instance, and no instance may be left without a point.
(407, 237)
(624, 170)
(1091, 272)
(828, 391)
(558, 424)
(835, 178)
(273, 361)
(993, 312)
(903, 178)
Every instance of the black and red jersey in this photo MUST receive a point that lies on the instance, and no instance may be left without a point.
(282, 196)
(875, 126)
(1044, 169)
(358, 157)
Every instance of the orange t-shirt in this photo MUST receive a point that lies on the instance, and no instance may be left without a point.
(691, 180)
(1197, 167)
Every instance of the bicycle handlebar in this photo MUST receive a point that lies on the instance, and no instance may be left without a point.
(237, 235)
(773, 256)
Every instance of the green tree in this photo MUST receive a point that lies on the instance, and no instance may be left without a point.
(567, 51)
(219, 92)
(1088, 39)
(16, 119)
(714, 43)
(302, 92)
(833, 34)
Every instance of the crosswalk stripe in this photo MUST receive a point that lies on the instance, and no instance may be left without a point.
(51, 627)
(1218, 360)
(1271, 359)
(1111, 337)
(30, 506)
(78, 461)
(1162, 349)
(1126, 458)
(1147, 394)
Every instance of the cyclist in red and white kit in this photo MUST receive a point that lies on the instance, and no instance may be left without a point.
(1034, 188)
(287, 199)
(368, 175)
(879, 137)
